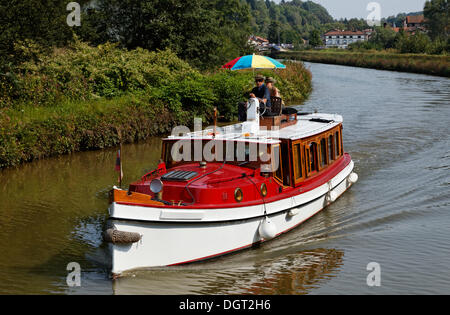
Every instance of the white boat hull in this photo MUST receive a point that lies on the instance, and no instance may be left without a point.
(171, 240)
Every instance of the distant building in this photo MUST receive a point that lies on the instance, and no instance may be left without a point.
(368, 33)
(416, 21)
(342, 39)
(262, 44)
(414, 24)
(411, 25)
(258, 41)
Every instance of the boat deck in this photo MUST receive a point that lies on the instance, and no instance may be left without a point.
(307, 125)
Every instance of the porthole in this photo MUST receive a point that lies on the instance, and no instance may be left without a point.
(263, 190)
(238, 195)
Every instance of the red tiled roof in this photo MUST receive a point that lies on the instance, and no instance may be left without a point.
(261, 38)
(415, 19)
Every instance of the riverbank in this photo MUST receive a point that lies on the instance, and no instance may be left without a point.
(86, 98)
(415, 63)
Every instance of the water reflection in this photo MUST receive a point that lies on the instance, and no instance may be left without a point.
(290, 274)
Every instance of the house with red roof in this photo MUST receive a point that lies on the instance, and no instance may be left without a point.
(416, 21)
(411, 25)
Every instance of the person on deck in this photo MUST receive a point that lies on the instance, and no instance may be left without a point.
(272, 89)
(261, 92)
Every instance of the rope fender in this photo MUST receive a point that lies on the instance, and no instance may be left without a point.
(120, 237)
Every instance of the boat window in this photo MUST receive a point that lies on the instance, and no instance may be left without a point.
(307, 160)
(313, 156)
(276, 163)
(167, 156)
(250, 155)
(297, 162)
(323, 152)
(331, 147)
(338, 150)
(285, 163)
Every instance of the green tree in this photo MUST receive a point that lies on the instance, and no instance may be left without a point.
(384, 38)
(274, 32)
(27, 23)
(233, 18)
(186, 27)
(315, 39)
(437, 15)
(293, 19)
(203, 32)
(357, 24)
(419, 43)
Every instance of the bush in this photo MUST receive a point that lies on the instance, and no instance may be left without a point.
(414, 44)
(84, 72)
(84, 98)
(230, 88)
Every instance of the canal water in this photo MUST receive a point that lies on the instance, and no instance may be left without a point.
(396, 217)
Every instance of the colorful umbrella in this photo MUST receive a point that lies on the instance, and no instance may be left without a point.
(253, 62)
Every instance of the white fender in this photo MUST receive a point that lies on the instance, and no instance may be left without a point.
(294, 212)
(352, 178)
(332, 196)
(267, 229)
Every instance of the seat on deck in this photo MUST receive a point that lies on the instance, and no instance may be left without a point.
(276, 106)
(278, 117)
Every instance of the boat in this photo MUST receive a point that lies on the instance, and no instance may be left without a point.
(224, 189)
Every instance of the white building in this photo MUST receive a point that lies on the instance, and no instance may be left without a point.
(342, 39)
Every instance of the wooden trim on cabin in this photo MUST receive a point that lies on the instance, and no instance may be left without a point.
(298, 157)
(123, 196)
(337, 151)
(280, 180)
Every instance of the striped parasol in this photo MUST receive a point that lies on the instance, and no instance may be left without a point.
(253, 62)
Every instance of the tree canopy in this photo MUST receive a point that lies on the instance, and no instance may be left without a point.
(437, 15)
(205, 33)
(286, 22)
(194, 29)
